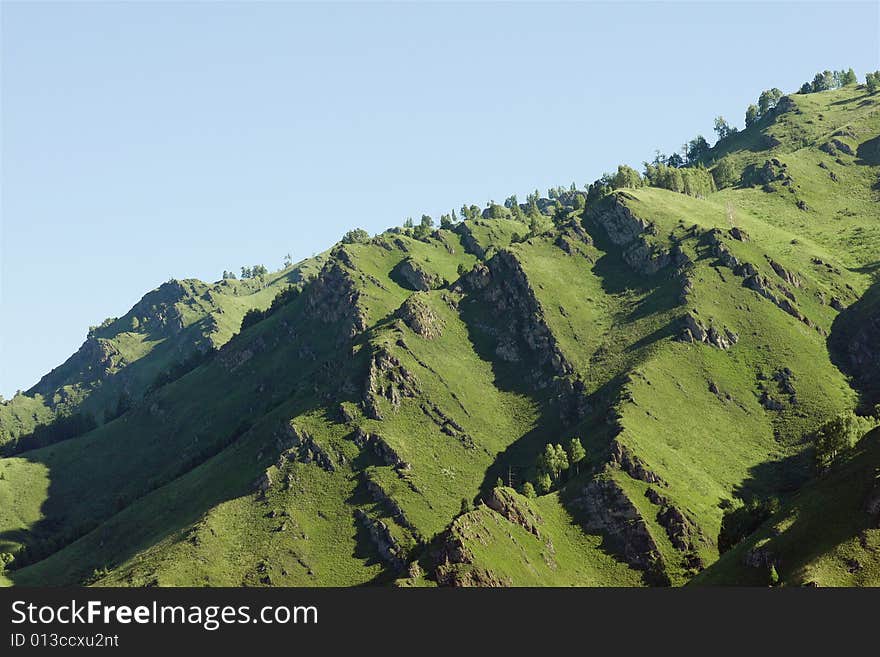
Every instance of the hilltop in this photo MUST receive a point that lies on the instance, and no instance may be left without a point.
(382, 413)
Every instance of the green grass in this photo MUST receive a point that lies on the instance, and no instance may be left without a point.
(165, 494)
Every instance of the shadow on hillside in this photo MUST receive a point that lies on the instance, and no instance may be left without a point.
(854, 342)
(828, 512)
(868, 152)
(776, 478)
(172, 459)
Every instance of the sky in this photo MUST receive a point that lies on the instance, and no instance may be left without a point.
(144, 141)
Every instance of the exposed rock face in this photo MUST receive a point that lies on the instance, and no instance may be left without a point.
(388, 378)
(504, 502)
(379, 495)
(447, 424)
(784, 274)
(835, 146)
(333, 299)
(263, 483)
(417, 314)
(739, 234)
(623, 458)
(872, 501)
(454, 561)
(468, 240)
(389, 549)
(413, 276)
(571, 238)
(629, 231)
(684, 534)
(383, 451)
(760, 556)
(305, 449)
(693, 330)
(608, 510)
(502, 284)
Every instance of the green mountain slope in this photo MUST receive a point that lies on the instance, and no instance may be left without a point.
(358, 432)
(168, 331)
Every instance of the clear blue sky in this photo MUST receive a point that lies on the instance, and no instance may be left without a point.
(144, 141)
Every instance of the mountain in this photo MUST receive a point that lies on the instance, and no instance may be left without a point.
(387, 418)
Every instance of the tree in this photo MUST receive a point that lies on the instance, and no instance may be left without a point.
(356, 236)
(229, 275)
(245, 272)
(806, 88)
(751, 115)
(529, 491)
(834, 438)
(823, 81)
(288, 260)
(408, 223)
(465, 506)
(768, 100)
(675, 160)
(844, 77)
(627, 177)
(445, 221)
(722, 128)
(697, 148)
(725, 174)
(561, 459)
(544, 483)
(872, 81)
(576, 453)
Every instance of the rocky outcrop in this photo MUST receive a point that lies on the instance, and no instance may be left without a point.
(381, 449)
(263, 483)
(872, 500)
(387, 378)
(629, 231)
(504, 502)
(453, 560)
(836, 146)
(784, 274)
(572, 237)
(693, 330)
(412, 275)
(305, 449)
(609, 511)
(502, 284)
(623, 458)
(683, 532)
(418, 315)
(333, 299)
(468, 240)
(389, 549)
(380, 496)
(447, 424)
(760, 556)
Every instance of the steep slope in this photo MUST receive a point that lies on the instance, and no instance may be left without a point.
(171, 329)
(358, 432)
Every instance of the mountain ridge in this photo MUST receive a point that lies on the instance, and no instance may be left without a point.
(379, 424)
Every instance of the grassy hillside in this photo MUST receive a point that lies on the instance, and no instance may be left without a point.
(379, 424)
(163, 334)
